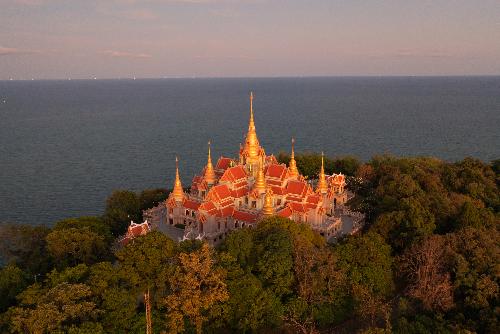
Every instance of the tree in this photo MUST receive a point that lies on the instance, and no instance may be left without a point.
(424, 266)
(152, 197)
(320, 287)
(94, 224)
(112, 295)
(25, 246)
(122, 207)
(197, 285)
(72, 246)
(12, 281)
(55, 309)
(148, 261)
(367, 260)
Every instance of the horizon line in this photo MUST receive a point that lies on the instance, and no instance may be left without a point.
(92, 78)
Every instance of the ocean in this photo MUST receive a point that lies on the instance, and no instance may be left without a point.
(66, 145)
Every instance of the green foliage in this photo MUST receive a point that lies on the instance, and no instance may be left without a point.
(367, 261)
(12, 281)
(25, 245)
(152, 197)
(76, 245)
(431, 242)
(309, 164)
(122, 207)
(94, 224)
(55, 309)
(148, 261)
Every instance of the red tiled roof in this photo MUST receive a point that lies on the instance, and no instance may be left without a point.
(276, 171)
(286, 212)
(313, 199)
(271, 159)
(239, 192)
(278, 190)
(223, 163)
(227, 212)
(274, 182)
(190, 204)
(234, 174)
(208, 207)
(297, 207)
(219, 193)
(244, 216)
(297, 188)
(336, 178)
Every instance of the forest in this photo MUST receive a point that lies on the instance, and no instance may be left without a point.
(427, 261)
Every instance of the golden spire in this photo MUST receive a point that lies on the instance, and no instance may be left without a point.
(322, 185)
(177, 192)
(251, 142)
(268, 208)
(293, 165)
(209, 171)
(260, 180)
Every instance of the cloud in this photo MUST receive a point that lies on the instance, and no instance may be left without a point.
(138, 14)
(121, 54)
(413, 53)
(15, 51)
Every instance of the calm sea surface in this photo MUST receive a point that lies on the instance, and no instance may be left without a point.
(65, 145)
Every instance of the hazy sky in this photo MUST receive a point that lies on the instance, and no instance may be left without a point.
(166, 38)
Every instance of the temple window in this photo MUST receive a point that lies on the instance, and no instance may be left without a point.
(243, 225)
(254, 204)
(187, 212)
(192, 213)
(171, 221)
(246, 200)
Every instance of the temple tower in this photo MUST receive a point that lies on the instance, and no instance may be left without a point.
(251, 153)
(268, 208)
(209, 170)
(292, 168)
(177, 193)
(322, 185)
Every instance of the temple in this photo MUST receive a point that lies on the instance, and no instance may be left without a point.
(238, 193)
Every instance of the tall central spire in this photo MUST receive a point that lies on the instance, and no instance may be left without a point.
(209, 171)
(251, 142)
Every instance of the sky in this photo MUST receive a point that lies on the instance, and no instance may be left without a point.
(50, 39)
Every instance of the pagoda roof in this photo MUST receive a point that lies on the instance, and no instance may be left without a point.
(190, 204)
(244, 216)
(209, 207)
(298, 188)
(223, 163)
(276, 171)
(234, 174)
(286, 212)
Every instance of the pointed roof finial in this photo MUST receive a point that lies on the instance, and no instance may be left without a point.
(178, 193)
(260, 180)
(268, 208)
(294, 172)
(251, 105)
(209, 171)
(322, 185)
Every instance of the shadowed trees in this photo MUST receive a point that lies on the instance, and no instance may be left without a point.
(426, 261)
